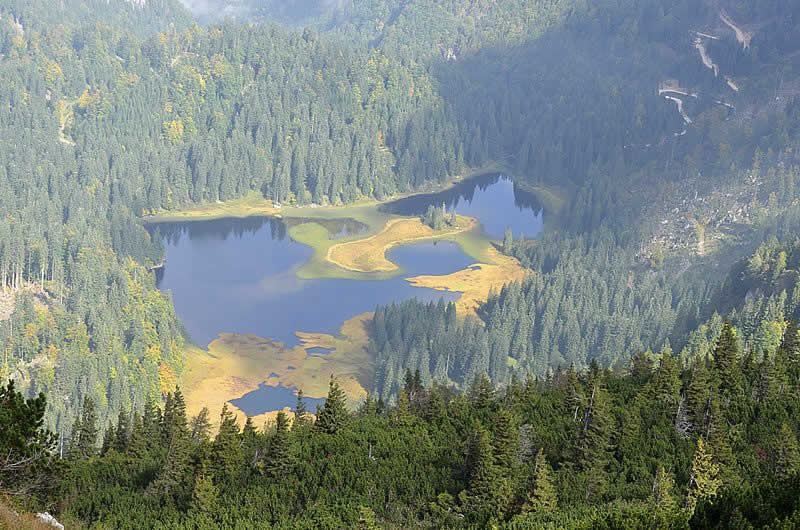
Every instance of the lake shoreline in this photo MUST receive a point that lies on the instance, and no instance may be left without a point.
(253, 204)
(263, 285)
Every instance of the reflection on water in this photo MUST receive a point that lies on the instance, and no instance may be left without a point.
(241, 279)
(238, 275)
(494, 199)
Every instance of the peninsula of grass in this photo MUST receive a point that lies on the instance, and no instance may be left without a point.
(369, 254)
(476, 281)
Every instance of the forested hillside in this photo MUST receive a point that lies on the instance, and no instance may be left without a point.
(648, 445)
(667, 132)
(104, 125)
(674, 168)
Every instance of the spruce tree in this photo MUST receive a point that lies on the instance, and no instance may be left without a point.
(698, 397)
(122, 434)
(542, 497)
(482, 494)
(505, 441)
(786, 453)
(401, 415)
(704, 479)
(726, 364)
(789, 353)
(663, 502)
(667, 381)
(108, 439)
(278, 460)
(175, 427)
(200, 427)
(139, 444)
(595, 442)
(334, 412)
(204, 495)
(226, 450)
(83, 443)
(300, 412)
(481, 391)
(508, 241)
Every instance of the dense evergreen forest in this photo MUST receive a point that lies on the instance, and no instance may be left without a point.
(652, 444)
(548, 407)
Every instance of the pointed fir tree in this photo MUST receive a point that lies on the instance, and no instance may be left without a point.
(704, 479)
(482, 495)
(408, 384)
(175, 427)
(74, 440)
(508, 241)
(108, 439)
(698, 397)
(789, 353)
(204, 495)
(300, 412)
(719, 443)
(84, 432)
(122, 434)
(200, 427)
(667, 380)
(278, 460)
(542, 497)
(138, 444)
(146, 434)
(663, 502)
(726, 364)
(786, 453)
(166, 420)
(481, 392)
(514, 392)
(226, 450)
(595, 441)
(333, 414)
(505, 441)
(401, 415)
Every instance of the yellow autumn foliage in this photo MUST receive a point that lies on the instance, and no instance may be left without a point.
(174, 130)
(53, 72)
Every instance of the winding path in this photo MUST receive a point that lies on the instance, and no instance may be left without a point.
(744, 37)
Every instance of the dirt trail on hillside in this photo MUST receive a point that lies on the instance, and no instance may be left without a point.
(682, 112)
(744, 37)
(701, 47)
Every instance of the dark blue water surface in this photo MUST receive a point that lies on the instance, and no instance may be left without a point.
(238, 275)
(243, 281)
(494, 199)
(268, 398)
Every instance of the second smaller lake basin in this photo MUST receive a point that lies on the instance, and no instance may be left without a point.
(267, 398)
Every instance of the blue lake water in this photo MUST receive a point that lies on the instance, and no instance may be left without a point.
(494, 199)
(238, 275)
(243, 281)
(267, 398)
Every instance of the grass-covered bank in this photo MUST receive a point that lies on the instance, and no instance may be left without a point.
(235, 364)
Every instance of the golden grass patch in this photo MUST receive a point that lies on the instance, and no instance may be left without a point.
(369, 254)
(236, 364)
(475, 282)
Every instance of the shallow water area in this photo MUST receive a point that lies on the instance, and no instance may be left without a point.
(267, 398)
